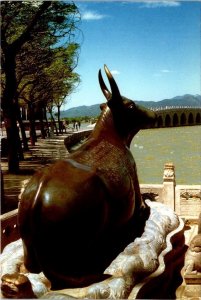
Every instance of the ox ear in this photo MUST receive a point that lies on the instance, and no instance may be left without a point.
(103, 106)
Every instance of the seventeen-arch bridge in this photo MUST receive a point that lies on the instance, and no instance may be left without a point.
(178, 116)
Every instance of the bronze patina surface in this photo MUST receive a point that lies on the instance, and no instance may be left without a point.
(74, 216)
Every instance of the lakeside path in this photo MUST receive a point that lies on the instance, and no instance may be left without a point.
(46, 151)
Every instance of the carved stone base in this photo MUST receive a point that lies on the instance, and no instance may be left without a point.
(162, 283)
(149, 267)
(193, 278)
(192, 291)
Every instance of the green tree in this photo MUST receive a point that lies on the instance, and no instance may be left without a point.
(63, 79)
(29, 73)
(23, 25)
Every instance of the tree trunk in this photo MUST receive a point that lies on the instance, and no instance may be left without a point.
(22, 129)
(13, 141)
(32, 128)
(59, 119)
(53, 123)
(9, 111)
(47, 123)
(19, 145)
(42, 127)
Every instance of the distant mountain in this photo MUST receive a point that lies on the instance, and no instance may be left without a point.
(185, 100)
(94, 110)
(81, 111)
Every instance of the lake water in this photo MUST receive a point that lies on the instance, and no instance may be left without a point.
(152, 148)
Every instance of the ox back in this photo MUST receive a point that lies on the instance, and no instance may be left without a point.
(76, 215)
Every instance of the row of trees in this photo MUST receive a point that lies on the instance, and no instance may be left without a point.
(39, 55)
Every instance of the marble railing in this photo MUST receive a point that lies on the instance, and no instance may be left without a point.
(185, 200)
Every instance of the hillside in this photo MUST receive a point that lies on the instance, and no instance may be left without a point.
(186, 100)
(94, 110)
(81, 111)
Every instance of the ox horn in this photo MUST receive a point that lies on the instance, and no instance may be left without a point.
(104, 88)
(113, 85)
(114, 88)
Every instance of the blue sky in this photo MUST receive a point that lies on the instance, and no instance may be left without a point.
(151, 47)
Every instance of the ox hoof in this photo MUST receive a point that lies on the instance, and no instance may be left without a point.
(16, 286)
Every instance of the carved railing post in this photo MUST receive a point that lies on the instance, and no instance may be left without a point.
(169, 185)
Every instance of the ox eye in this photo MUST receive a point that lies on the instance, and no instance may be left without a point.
(131, 106)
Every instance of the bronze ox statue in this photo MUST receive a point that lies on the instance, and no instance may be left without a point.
(76, 215)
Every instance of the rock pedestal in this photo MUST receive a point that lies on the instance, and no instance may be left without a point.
(151, 261)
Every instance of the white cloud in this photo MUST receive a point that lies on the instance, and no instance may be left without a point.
(92, 15)
(115, 72)
(165, 71)
(160, 73)
(164, 3)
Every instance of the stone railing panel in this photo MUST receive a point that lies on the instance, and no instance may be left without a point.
(152, 192)
(75, 138)
(188, 200)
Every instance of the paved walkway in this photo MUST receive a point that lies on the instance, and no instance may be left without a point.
(44, 152)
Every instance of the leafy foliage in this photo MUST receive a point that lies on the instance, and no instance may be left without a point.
(48, 57)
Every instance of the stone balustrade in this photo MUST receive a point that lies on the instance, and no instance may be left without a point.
(185, 200)
(75, 138)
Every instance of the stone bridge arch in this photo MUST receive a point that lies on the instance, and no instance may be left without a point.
(175, 120)
(167, 120)
(198, 118)
(183, 119)
(160, 121)
(190, 119)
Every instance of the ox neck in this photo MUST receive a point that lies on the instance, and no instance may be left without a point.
(130, 137)
(105, 129)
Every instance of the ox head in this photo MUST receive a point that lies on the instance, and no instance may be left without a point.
(128, 117)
